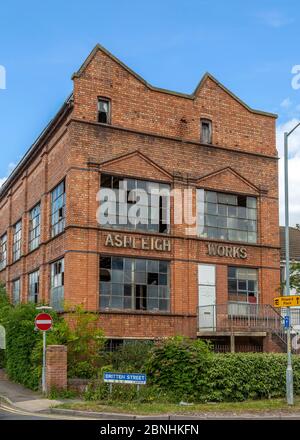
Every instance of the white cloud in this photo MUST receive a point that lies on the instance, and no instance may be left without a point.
(294, 171)
(10, 168)
(286, 103)
(274, 19)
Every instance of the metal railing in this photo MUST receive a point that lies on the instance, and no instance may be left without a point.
(241, 348)
(234, 316)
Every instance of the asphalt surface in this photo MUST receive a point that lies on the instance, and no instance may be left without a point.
(9, 413)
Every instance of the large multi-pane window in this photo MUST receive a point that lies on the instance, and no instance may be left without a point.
(136, 284)
(17, 240)
(227, 216)
(33, 286)
(34, 227)
(242, 285)
(58, 214)
(153, 199)
(16, 291)
(57, 285)
(3, 251)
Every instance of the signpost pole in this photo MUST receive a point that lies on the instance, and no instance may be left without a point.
(43, 322)
(44, 386)
(289, 369)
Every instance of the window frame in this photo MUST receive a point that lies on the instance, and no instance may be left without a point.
(36, 282)
(58, 288)
(108, 101)
(17, 241)
(3, 251)
(132, 279)
(34, 234)
(246, 217)
(240, 291)
(17, 280)
(163, 207)
(209, 122)
(59, 226)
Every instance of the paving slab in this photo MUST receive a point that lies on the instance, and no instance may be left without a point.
(36, 405)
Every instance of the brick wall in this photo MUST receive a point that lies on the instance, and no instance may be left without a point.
(272, 344)
(56, 367)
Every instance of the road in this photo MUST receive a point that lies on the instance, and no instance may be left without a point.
(9, 413)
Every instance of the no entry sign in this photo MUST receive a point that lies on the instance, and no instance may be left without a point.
(43, 321)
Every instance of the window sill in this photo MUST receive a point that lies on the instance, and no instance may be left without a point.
(143, 313)
(135, 312)
(232, 242)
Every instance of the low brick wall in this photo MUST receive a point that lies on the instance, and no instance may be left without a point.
(78, 385)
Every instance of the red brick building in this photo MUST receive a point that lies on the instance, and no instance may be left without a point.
(151, 281)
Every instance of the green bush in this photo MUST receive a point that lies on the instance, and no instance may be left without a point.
(24, 345)
(23, 358)
(193, 374)
(242, 376)
(175, 364)
(82, 370)
(129, 357)
(85, 343)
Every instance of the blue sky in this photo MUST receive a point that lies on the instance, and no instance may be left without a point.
(250, 46)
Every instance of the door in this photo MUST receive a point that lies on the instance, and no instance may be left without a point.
(207, 297)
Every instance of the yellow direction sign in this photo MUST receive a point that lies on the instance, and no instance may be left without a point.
(287, 301)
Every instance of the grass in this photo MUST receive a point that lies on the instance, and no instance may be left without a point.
(272, 405)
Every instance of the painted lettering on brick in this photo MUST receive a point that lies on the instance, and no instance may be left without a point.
(144, 243)
(218, 250)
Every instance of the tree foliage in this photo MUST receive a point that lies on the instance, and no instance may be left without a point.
(24, 344)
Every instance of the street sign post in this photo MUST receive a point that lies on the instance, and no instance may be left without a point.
(126, 378)
(287, 322)
(43, 322)
(287, 301)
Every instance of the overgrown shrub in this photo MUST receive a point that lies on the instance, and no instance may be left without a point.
(175, 364)
(99, 391)
(85, 343)
(129, 357)
(23, 358)
(24, 345)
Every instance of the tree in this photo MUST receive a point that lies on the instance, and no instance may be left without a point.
(294, 277)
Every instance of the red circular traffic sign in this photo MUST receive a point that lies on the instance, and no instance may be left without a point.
(43, 321)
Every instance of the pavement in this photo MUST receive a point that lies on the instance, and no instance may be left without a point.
(20, 397)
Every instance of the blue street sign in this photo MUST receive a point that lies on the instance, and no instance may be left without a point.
(130, 378)
(286, 322)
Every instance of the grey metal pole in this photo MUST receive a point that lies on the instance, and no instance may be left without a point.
(44, 387)
(289, 369)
